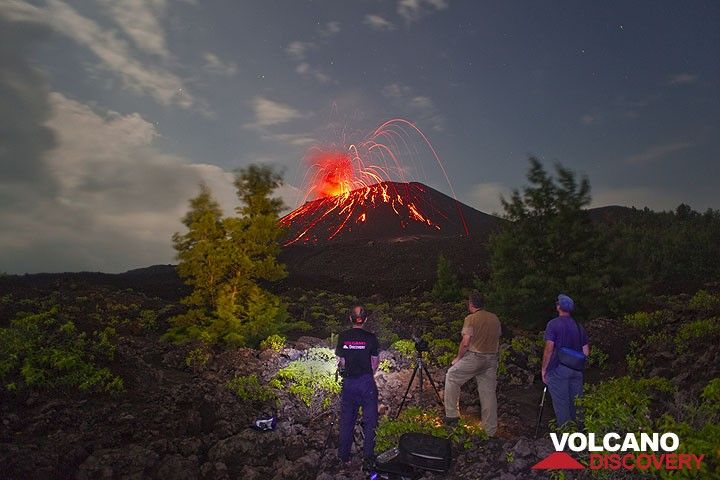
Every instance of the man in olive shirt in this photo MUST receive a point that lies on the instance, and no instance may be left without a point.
(477, 357)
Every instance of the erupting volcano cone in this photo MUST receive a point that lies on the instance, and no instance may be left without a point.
(384, 211)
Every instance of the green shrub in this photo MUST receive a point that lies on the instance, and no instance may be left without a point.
(447, 287)
(406, 348)
(646, 321)
(148, 320)
(443, 351)
(413, 419)
(274, 342)
(597, 358)
(249, 389)
(700, 434)
(635, 364)
(198, 357)
(42, 351)
(385, 366)
(621, 404)
(312, 378)
(703, 329)
(705, 302)
(529, 348)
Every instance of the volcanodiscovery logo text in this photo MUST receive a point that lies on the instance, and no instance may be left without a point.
(640, 452)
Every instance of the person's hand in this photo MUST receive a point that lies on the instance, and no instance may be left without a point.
(544, 376)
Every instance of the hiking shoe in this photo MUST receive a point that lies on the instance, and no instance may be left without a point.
(451, 421)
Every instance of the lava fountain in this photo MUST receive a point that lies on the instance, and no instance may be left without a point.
(352, 189)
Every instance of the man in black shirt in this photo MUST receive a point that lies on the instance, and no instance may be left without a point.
(357, 352)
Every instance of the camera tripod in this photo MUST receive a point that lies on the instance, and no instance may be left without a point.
(419, 369)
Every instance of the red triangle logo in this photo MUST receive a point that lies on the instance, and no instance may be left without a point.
(558, 461)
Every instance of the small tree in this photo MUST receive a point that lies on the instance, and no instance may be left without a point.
(224, 260)
(549, 246)
(447, 287)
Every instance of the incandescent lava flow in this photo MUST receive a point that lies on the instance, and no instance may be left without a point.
(383, 211)
(359, 191)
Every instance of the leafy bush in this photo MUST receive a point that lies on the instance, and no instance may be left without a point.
(385, 366)
(249, 389)
(704, 301)
(447, 287)
(635, 364)
(406, 348)
(43, 351)
(311, 378)
(198, 357)
(699, 433)
(442, 351)
(645, 320)
(274, 342)
(704, 329)
(621, 404)
(413, 419)
(597, 358)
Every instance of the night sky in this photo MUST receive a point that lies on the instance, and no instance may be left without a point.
(112, 111)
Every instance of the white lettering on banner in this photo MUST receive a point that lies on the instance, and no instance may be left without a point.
(579, 442)
(675, 442)
(630, 443)
(614, 447)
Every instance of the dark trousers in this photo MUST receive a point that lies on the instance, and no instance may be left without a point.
(564, 385)
(359, 392)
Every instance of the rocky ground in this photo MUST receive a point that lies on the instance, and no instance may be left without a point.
(179, 421)
(174, 421)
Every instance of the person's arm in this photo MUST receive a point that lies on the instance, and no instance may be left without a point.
(547, 353)
(339, 354)
(374, 362)
(462, 349)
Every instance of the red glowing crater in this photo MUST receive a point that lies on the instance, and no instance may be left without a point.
(361, 190)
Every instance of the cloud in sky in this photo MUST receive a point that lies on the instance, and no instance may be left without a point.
(377, 22)
(421, 107)
(214, 65)
(330, 29)
(657, 152)
(297, 49)
(269, 113)
(116, 200)
(141, 22)
(682, 79)
(413, 10)
(486, 196)
(113, 52)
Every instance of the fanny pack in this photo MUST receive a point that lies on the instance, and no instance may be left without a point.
(570, 357)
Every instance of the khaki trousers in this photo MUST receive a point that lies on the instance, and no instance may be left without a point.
(482, 366)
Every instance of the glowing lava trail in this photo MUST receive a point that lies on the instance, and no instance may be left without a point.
(357, 190)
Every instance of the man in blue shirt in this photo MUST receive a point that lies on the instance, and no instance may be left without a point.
(564, 383)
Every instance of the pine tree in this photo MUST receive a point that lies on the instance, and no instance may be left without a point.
(447, 287)
(226, 259)
(201, 264)
(549, 246)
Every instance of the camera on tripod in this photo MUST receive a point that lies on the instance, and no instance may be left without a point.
(421, 345)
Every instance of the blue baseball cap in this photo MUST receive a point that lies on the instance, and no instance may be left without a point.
(565, 303)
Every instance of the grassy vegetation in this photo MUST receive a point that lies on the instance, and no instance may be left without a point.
(311, 379)
(413, 419)
(45, 351)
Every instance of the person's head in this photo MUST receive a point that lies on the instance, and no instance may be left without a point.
(475, 301)
(358, 316)
(564, 304)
